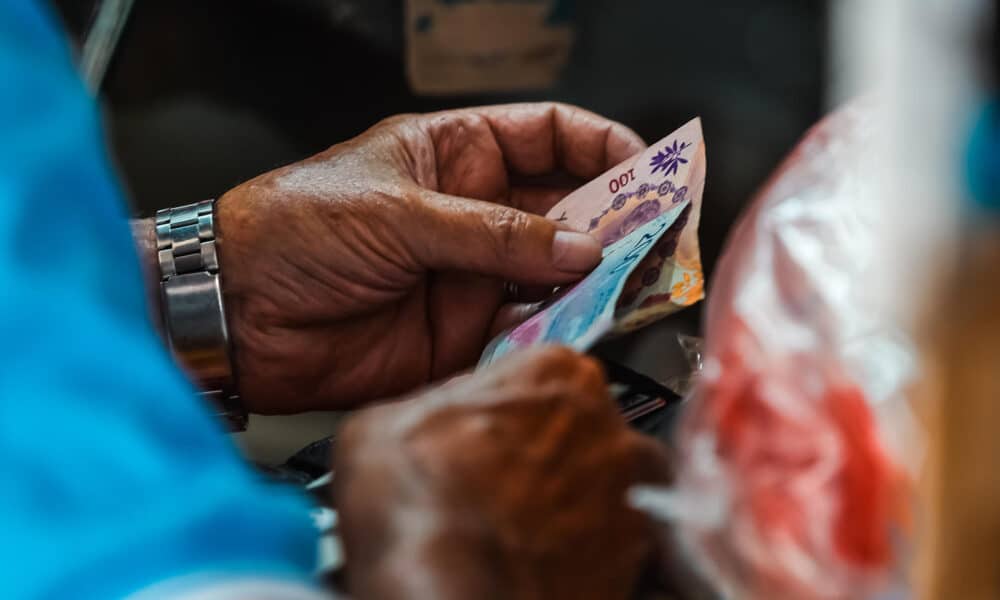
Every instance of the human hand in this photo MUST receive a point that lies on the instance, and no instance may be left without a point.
(509, 483)
(379, 265)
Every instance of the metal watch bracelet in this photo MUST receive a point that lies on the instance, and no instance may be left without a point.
(194, 316)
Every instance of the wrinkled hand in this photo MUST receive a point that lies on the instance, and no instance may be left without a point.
(509, 483)
(378, 265)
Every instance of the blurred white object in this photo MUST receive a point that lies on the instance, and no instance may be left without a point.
(920, 58)
(102, 40)
(799, 450)
(796, 442)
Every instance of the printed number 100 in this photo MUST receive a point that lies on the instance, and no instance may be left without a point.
(621, 181)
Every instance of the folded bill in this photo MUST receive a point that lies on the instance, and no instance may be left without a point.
(645, 212)
(632, 193)
(584, 313)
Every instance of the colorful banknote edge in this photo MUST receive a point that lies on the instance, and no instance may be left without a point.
(681, 282)
(669, 172)
(585, 313)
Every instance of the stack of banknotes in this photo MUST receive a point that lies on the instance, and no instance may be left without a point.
(645, 212)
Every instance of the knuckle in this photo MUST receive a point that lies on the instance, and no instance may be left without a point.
(353, 434)
(552, 360)
(557, 354)
(653, 460)
(583, 381)
(565, 111)
(397, 120)
(509, 227)
(560, 107)
(413, 202)
(549, 106)
(577, 374)
(349, 446)
(590, 374)
(371, 427)
(453, 131)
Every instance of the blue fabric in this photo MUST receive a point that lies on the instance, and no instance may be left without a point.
(982, 160)
(113, 475)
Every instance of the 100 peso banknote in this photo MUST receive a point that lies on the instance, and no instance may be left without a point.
(645, 212)
(632, 193)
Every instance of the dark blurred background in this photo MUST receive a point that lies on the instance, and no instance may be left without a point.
(203, 94)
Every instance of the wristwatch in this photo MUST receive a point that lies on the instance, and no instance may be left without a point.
(194, 315)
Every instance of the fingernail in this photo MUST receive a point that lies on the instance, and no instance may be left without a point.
(575, 252)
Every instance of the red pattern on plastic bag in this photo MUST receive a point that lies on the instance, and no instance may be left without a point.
(810, 496)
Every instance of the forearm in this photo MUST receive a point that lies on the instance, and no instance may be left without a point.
(144, 237)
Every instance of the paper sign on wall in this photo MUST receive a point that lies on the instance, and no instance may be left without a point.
(474, 46)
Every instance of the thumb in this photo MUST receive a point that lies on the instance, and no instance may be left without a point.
(492, 239)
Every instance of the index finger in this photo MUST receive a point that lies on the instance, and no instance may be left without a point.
(539, 138)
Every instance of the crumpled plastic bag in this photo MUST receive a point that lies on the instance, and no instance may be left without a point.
(794, 477)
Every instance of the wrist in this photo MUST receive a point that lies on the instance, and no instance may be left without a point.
(229, 221)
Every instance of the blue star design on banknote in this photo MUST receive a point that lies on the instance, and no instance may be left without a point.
(669, 159)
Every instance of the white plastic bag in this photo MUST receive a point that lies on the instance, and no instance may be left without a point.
(793, 479)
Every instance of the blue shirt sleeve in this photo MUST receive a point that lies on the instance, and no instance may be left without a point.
(113, 475)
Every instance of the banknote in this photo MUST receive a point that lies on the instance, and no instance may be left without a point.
(668, 173)
(583, 314)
